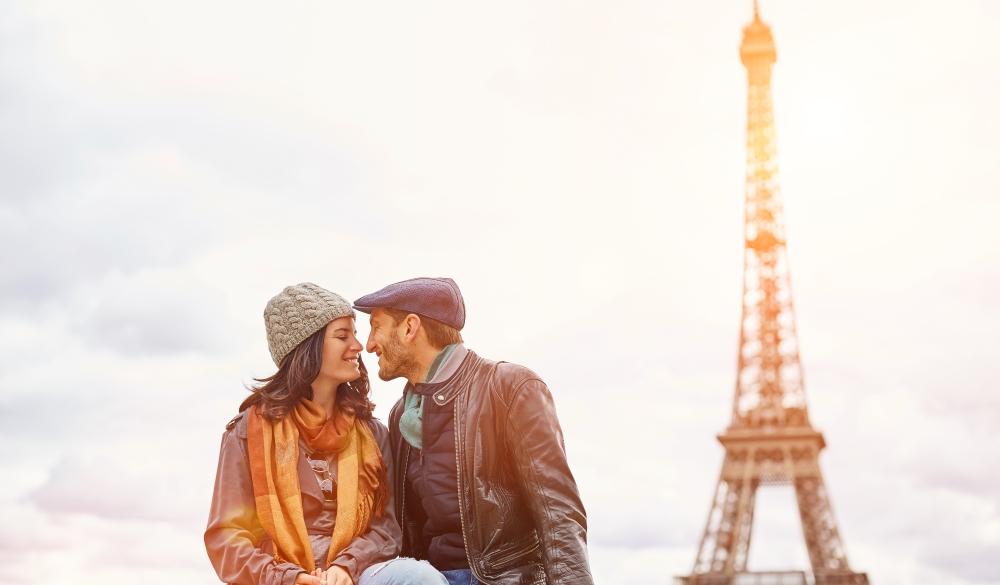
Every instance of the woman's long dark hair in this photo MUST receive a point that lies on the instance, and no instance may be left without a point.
(277, 395)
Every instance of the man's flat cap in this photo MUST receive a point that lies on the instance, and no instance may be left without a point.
(437, 298)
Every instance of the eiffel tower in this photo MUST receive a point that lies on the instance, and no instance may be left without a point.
(770, 440)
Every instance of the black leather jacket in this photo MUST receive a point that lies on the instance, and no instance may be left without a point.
(522, 518)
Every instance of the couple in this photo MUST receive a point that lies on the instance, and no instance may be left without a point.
(468, 484)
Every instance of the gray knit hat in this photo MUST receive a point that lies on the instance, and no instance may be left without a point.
(298, 312)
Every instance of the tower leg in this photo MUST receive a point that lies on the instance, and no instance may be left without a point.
(826, 552)
(716, 542)
(737, 561)
(726, 540)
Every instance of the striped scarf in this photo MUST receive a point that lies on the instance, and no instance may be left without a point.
(362, 483)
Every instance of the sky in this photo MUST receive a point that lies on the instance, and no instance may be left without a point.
(578, 169)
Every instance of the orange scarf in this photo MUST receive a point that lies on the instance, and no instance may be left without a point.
(362, 482)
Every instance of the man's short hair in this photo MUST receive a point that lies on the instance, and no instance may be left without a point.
(438, 334)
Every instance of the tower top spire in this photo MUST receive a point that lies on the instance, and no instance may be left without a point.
(757, 49)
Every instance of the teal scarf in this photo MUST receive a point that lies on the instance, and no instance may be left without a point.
(411, 423)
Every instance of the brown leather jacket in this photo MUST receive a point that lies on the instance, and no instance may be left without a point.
(241, 551)
(522, 518)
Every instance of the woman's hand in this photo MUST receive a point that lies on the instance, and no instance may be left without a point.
(334, 576)
(338, 576)
(307, 579)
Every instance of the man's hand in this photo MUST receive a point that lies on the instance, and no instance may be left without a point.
(338, 576)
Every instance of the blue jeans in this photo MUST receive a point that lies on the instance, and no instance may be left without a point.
(460, 577)
(404, 571)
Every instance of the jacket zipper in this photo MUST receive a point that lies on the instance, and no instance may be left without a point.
(461, 508)
(402, 496)
(514, 553)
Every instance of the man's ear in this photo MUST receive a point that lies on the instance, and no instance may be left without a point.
(412, 327)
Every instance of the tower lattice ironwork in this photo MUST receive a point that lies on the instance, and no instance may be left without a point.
(770, 440)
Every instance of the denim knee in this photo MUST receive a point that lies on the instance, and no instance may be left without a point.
(402, 571)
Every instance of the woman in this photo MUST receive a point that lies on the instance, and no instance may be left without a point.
(302, 491)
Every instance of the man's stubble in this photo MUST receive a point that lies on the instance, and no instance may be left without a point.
(397, 362)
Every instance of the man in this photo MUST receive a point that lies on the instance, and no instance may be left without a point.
(483, 489)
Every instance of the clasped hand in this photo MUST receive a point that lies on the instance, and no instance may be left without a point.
(333, 576)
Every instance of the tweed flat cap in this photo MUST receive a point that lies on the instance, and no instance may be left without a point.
(437, 298)
(298, 312)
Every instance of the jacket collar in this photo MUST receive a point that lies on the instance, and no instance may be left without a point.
(444, 392)
(456, 355)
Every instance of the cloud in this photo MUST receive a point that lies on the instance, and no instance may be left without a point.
(92, 188)
(122, 488)
(98, 550)
(157, 313)
(119, 221)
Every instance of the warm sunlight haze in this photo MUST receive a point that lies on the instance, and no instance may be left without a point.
(580, 170)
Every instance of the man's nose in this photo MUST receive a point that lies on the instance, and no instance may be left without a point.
(370, 345)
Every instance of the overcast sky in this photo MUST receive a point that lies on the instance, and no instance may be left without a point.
(577, 167)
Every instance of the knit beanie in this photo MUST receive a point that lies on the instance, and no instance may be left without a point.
(298, 312)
